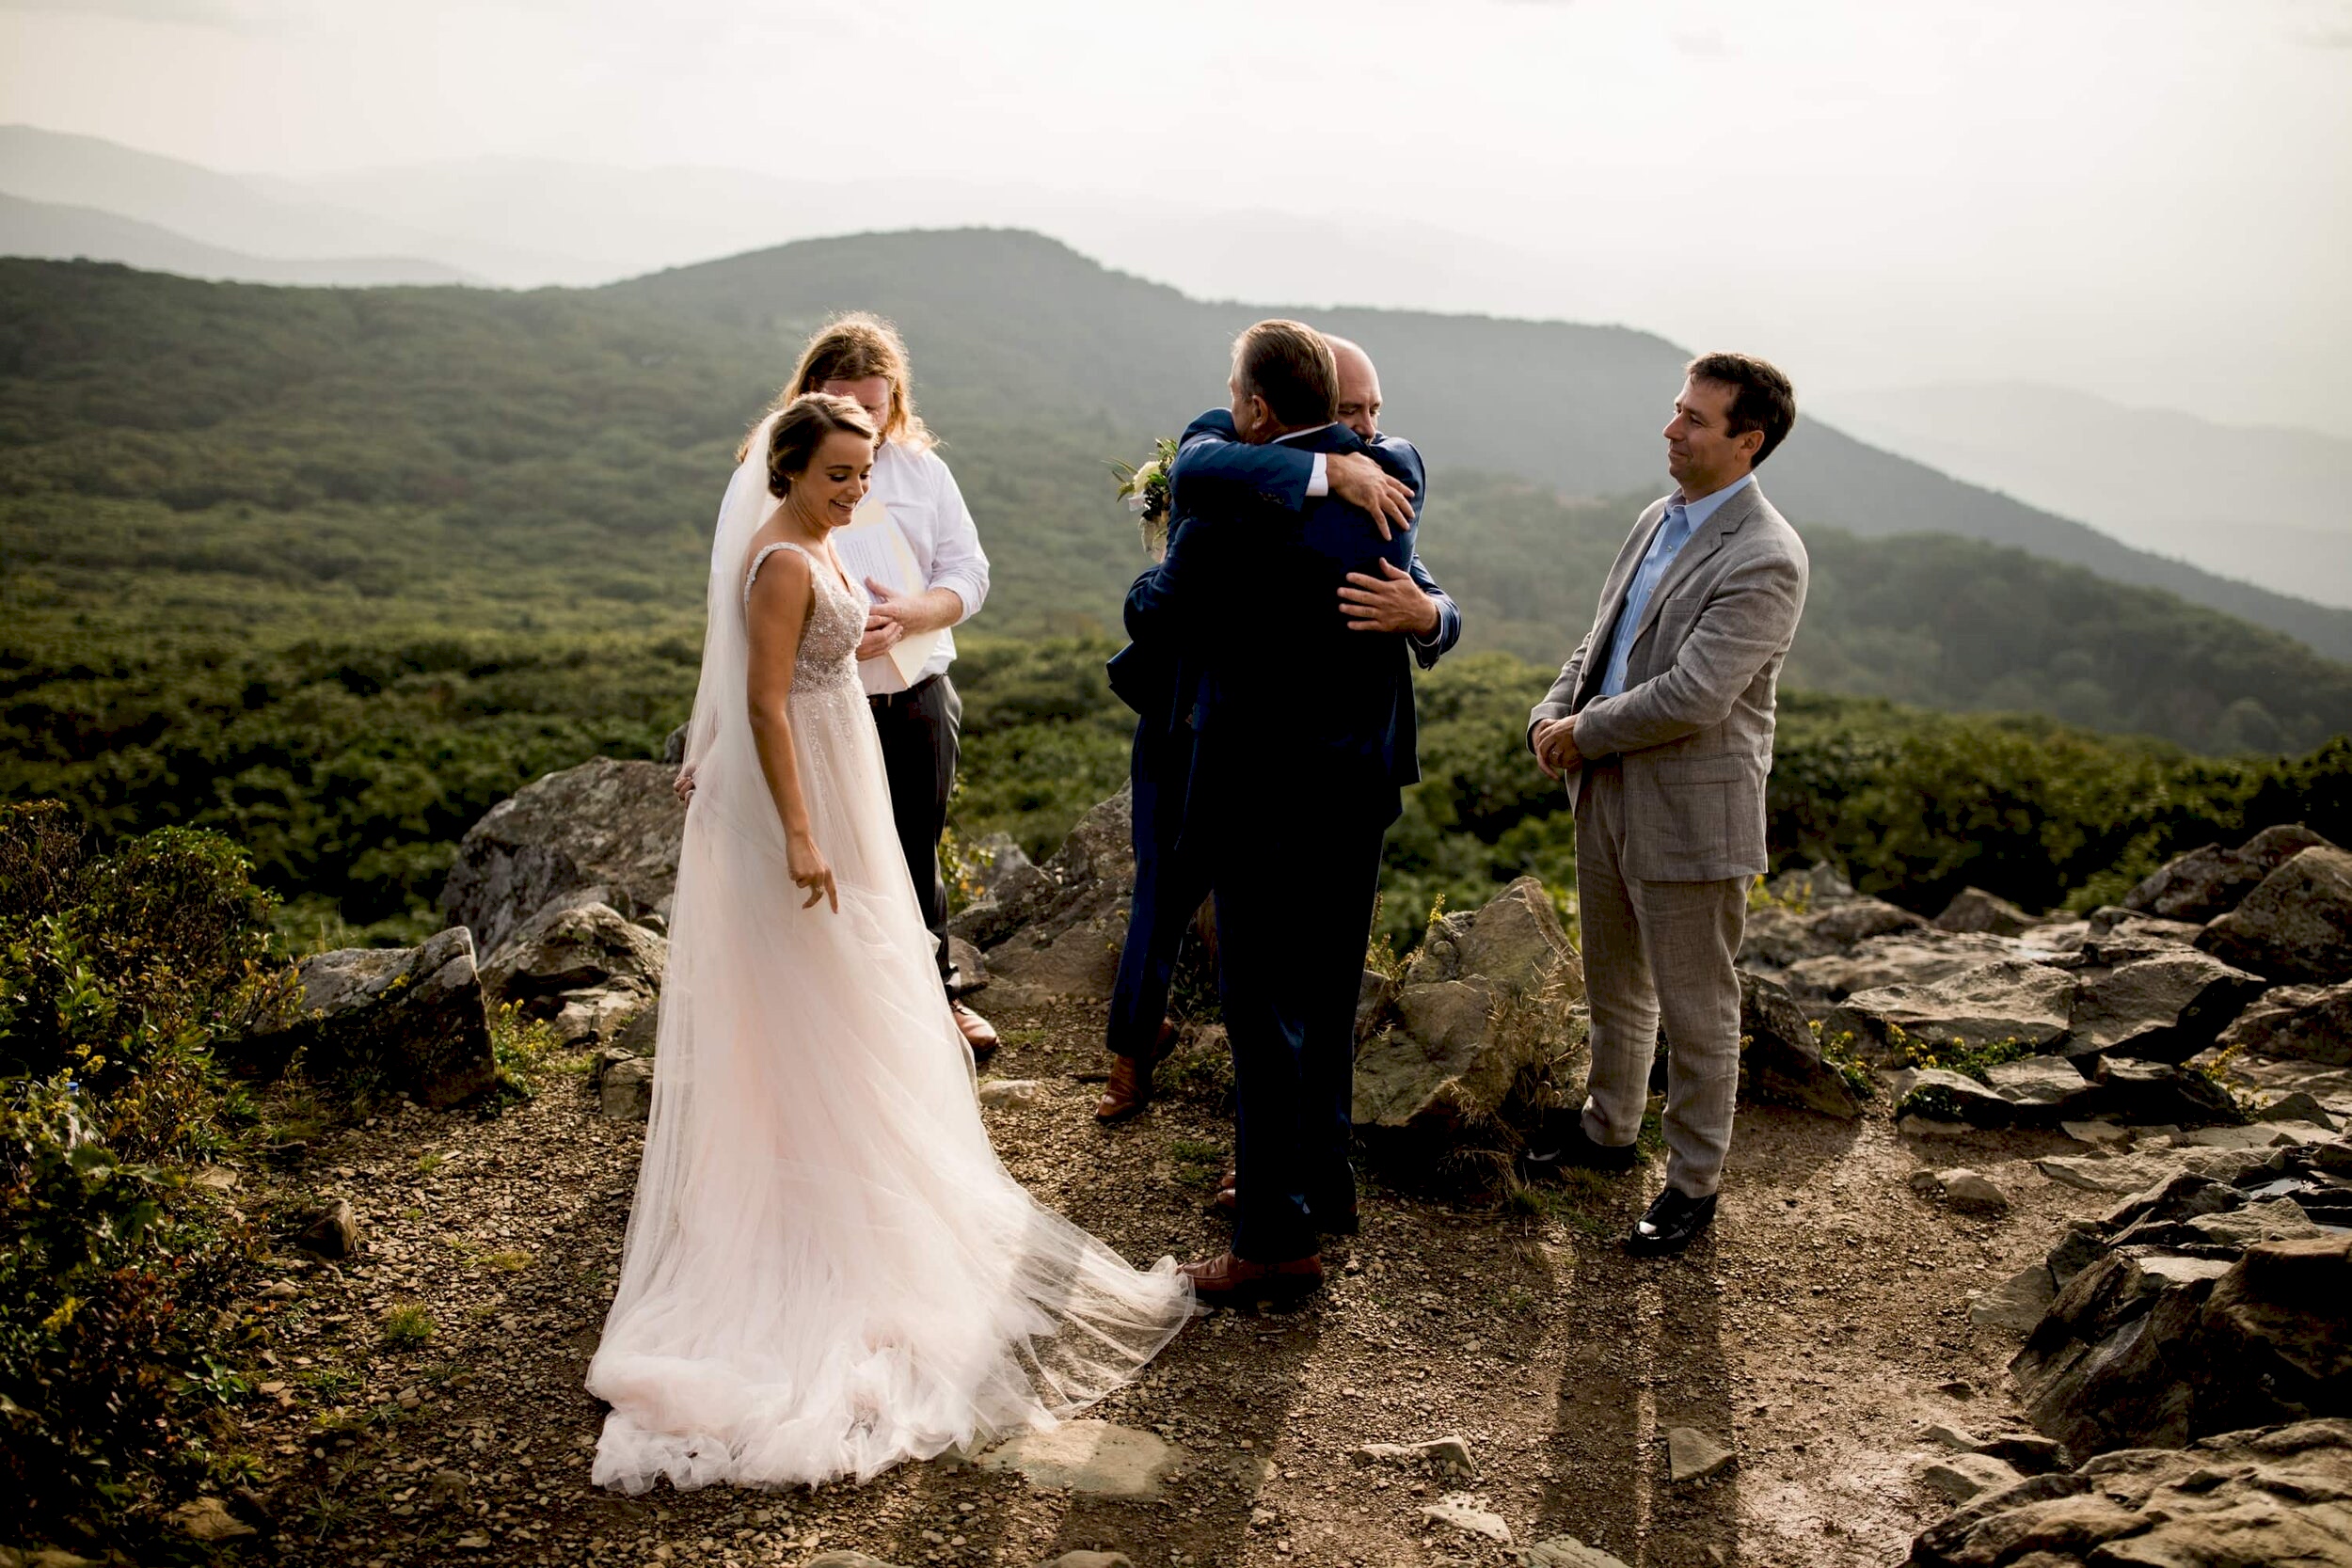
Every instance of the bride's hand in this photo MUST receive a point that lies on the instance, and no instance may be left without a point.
(807, 866)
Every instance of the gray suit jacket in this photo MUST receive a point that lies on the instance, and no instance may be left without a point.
(1693, 726)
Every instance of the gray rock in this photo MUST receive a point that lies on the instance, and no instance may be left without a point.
(2313, 1023)
(839, 1559)
(2015, 1305)
(1088, 1456)
(2046, 1089)
(2098, 1133)
(588, 1017)
(640, 1033)
(2164, 1008)
(2275, 1220)
(1375, 996)
(2028, 1452)
(332, 1231)
(2207, 882)
(1010, 1091)
(207, 1519)
(1967, 1475)
(1820, 884)
(2155, 1092)
(1971, 1193)
(970, 969)
(2268, 1495)
(1566, 1551)
(1464, 1513)
(1776, 936)
(1695, 1455)
(1975, 909)
(401, 1019)
(2146, 1350)
(625, 1091)
(2114, 923)
(1942, 1095)
(1780, 1055)
(1448, 1455)
(2299, 1105)
(1920, 957)
(1090, 1559)
(1057, 934)
(2009, 1000)
(1485, 998)
(573, 947)
(2296, 925)
(605, 829)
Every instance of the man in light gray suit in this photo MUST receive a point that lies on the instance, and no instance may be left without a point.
(1662, 725)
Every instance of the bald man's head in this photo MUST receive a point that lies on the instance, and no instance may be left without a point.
(1359, 388)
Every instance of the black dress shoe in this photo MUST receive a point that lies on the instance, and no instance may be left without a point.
(1674, 1221)
(1563, 1141)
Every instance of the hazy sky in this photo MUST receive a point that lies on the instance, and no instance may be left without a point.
(2147, 199)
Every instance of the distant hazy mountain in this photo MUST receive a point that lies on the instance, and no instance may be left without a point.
(2267, 506)
(50, 231)
(564, 444)
(1578, 408)
(224, 211)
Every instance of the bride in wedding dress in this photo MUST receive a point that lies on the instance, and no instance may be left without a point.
(827, 1269)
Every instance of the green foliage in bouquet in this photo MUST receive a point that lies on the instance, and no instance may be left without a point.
(1148, 488)
(117, 974)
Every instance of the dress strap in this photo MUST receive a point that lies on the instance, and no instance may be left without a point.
(752, 575)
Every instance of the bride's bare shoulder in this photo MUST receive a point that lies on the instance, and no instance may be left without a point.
(776, 572)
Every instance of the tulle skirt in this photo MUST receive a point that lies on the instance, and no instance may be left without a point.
(828, 1270)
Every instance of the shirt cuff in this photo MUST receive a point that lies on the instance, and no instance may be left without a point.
(970, 588)
(1319, 482)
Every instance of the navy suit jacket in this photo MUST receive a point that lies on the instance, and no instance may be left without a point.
(1243, 614)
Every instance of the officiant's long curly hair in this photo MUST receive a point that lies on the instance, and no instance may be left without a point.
(852, 347)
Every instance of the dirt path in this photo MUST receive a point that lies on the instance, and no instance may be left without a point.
(1812, 1332)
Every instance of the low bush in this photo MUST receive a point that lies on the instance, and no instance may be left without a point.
(117, 972)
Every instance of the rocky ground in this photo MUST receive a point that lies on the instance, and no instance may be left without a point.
(2051, 1264)
(425, 1402)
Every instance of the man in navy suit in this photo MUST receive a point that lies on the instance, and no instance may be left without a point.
(1301, 736)
(1170, 887)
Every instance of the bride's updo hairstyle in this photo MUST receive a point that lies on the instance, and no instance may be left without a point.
(802, 427)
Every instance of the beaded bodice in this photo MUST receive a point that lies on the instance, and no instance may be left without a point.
(827, 661)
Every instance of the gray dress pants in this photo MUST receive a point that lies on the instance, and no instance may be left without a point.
(1653, 949)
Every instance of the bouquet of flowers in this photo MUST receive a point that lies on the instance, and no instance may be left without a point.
(1144, 488)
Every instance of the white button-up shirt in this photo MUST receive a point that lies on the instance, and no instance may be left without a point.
(929, 509)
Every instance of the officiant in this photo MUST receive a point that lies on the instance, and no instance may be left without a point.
(916, 713)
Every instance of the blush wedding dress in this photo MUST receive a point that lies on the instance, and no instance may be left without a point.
(827, 1269)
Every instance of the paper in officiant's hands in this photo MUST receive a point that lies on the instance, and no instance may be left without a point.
(872, 546)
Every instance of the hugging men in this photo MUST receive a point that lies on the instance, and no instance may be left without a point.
(1271, 663)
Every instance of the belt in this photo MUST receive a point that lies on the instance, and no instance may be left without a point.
(894, 699)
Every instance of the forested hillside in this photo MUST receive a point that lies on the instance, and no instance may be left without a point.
(336, 570)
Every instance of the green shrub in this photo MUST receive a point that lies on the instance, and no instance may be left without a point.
(117, 974)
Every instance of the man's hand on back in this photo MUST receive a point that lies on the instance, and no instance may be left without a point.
(1390, 602)
(1367, 486)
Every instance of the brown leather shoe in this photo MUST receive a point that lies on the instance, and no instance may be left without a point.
(978, 1033)
(1129, 1089)
(1225, 1279)
(1228, 1197)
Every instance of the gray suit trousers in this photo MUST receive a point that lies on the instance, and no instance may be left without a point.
(1653, 947)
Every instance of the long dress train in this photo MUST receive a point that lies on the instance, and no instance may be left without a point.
(828, 1270)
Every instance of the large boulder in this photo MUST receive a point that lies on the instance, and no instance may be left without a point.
(2165, 1007)
(1780, 1055)
(2296, 925)
(2313, 1023)
(2011, 1000)
(1974, 910)
(1485, 999)
(606, 830)
(1918, 956)
(2272, 1496)
(405, 1020)
(1056, 930)
(573, 947)
(2208, 882)
(1777, 936)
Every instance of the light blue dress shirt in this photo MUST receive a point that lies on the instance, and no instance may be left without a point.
(1681, 521)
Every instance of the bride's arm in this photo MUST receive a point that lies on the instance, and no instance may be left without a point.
(777, 610)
